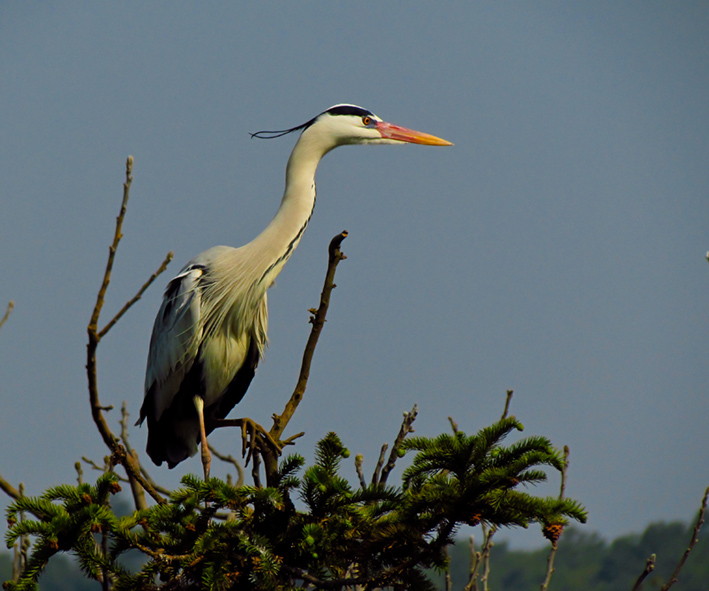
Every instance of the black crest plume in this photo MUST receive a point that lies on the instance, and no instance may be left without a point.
(269, 135)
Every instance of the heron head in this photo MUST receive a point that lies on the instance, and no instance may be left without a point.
(349, 124)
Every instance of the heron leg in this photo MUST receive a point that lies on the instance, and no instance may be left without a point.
(206, 455)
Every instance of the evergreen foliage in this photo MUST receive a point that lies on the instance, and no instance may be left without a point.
(213, 535)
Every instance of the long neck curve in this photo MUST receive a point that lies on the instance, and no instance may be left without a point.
(279, 239)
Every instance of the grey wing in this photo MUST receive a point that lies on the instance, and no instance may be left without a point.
(177, 334)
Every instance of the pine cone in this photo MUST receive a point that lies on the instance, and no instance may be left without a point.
(552, 532)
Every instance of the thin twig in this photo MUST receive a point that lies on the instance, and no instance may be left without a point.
(103, 469)
(280, 422)
(161, 489)
(562, 492)
(380, 463)
(448, 582)
(474, 564)
(406, 428)
(507, 403)
(117, 235)
(19, 558)
(692, 542)
(649, 567)
(255, 471)
(10, 307)
(137, 296)
(136, 489)
(233, 461)
(359, 462)
(485, 555)
(454, 425)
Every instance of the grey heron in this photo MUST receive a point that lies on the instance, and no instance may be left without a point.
(210, 331)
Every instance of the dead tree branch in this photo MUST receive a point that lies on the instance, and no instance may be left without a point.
(317, 319)
(119, 455)
(137, 296)
(406, 428)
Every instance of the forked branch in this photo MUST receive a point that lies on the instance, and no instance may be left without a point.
(119, 454)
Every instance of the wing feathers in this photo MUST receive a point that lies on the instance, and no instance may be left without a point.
(177, 334)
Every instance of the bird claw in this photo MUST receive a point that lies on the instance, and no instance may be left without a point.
(253, 436)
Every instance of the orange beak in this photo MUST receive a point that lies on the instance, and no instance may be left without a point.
(402, 134)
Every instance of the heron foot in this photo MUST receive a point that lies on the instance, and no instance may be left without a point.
(253, 435)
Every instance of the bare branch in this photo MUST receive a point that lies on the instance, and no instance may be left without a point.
(454, 425)
(485, 555)
(474, 564)
(692, 542)
(8, 489)
(562, 492)
(280, 422)
(649, 567)
(137, 296)
(359, 461)
(10, 307)
(318, 321)
(20, 547)
(233, 461)
(406, 428)
(117, 235)
(136, 489)
(79, 473)
(507, 403)
(161, 489)
(380, 463)
(118, 452)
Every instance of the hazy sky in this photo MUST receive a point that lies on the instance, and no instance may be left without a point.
(557, 249)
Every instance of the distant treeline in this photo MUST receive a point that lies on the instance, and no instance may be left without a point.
(584, 562)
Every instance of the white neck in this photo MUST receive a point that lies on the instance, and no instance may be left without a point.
(279, 239)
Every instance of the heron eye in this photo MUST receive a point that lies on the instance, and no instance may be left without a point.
(366, 120)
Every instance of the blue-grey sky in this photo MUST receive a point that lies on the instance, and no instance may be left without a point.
(557, 249)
